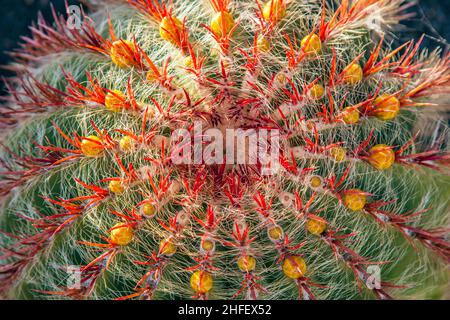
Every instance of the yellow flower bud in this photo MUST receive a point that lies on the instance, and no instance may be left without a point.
(315, 182)
(350, 116)
(353, 75)
(310, 125)
(188, 62)
(170, 29)
(294, 267)
(316, 227)
(338, 153)
(275, 233)
(116, 187)
(226, 63)
(317, 91)
(381, 156)
(386, 107)
(121, 234)
(114, 102)
(148, 210)
(152, 76)
(91, 146)
(246, 263)
(263, 44)
(222, 20)
(281, 78)
(127, 143)
(312, 44)
(354, 199)
(274, 10)
(167, 247)
(121, 53)
(201, 282)
(147, 109)
(207, 245)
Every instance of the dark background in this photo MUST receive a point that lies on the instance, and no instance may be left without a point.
(17, 15)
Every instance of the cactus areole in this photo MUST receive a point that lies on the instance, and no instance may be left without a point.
(225, 149)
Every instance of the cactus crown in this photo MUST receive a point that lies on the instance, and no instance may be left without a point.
(89, 180)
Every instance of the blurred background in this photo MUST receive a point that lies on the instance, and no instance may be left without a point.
(431, 18)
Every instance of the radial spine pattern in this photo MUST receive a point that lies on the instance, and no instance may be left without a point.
(95, 205)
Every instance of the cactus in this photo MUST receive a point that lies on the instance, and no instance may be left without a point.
(95, 207)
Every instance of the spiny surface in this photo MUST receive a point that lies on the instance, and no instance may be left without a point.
(90, 187)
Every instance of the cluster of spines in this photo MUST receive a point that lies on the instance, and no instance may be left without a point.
(36, 96)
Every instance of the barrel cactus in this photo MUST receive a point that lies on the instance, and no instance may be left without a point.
(102, 200)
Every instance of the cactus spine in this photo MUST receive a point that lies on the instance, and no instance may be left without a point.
(88, 178)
